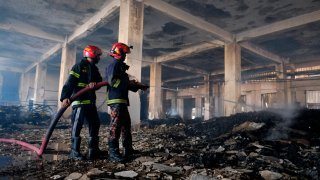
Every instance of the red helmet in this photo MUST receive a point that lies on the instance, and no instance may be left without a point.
(119, 49)
(92, 51)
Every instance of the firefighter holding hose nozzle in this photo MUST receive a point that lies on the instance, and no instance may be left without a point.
(118, 88)
(84, 74)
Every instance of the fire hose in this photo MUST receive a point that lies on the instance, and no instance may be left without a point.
(53, 123)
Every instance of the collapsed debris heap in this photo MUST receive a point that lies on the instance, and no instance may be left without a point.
(273, 144)
(35, 115)
(282, 142)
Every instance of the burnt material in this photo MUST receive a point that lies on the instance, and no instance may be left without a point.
(218, 126)
(35, 115)
(235, 147)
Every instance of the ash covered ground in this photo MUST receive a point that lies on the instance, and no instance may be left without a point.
(275, 144)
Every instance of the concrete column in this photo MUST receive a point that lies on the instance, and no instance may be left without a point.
(39, 83)
(218, 100)
(282, 99)
(68, 59)
(180, 107)
(208, 104)
(290, 91)
(257, 98)
(155, 96)
(164, 104)
(174, 108)
(258, 102)
(221, 98)
(24, 88)
(131, 33)
(174, 104)
(232, 68)
(1, 85)
(198, 106)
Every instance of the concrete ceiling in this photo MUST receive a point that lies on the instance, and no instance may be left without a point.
(240, 15)
(53, 20)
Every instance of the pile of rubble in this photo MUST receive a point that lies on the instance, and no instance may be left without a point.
(36, 115)
(255, 145)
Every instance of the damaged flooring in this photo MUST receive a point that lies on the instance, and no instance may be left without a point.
(256, 145)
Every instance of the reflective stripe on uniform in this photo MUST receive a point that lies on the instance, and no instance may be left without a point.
(116, 84)
(82, 84)
(75, 74)
(81, 102)
(116, 101)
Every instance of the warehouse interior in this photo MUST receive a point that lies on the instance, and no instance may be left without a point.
(203, 60)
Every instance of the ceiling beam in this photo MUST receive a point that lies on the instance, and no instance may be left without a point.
(91, 23)
(188, 51)
(27, 29)
(279, 26)
(258, 67)
(248, 60)
(28, 59)
(12, 62)
(221, 72)
(190, 19)
(182, 78)
(264, 53)
(11, 69)
(201, 24)
(147, 60)
(187, 68)
(306, 60)
(82, 30)
(6, 59)
(45, 56)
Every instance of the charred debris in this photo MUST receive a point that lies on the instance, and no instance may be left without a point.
(273, 144)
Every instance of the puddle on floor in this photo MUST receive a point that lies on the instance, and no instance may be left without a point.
(54, 151)
(5, 161)
(18, 158)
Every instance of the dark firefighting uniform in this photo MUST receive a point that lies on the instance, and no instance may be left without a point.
(84, 107)
(118, 90)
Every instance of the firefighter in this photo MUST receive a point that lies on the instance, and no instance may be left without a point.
(118, 101)
(84, 74)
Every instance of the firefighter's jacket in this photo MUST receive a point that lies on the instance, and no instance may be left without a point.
(80, 76)
(119, 84)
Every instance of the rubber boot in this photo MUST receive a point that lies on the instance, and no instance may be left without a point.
(114, 153)
(129, 151)
(127, 147)
(94, 152)
(75, 149)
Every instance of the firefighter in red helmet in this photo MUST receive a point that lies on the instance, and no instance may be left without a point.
(119, 85)
(84, 74)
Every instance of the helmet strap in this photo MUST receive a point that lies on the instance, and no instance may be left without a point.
(96, 60)
(123, 57)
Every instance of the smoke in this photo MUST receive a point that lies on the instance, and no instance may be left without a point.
(9, 86)
(280, 131)
(172, 112)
